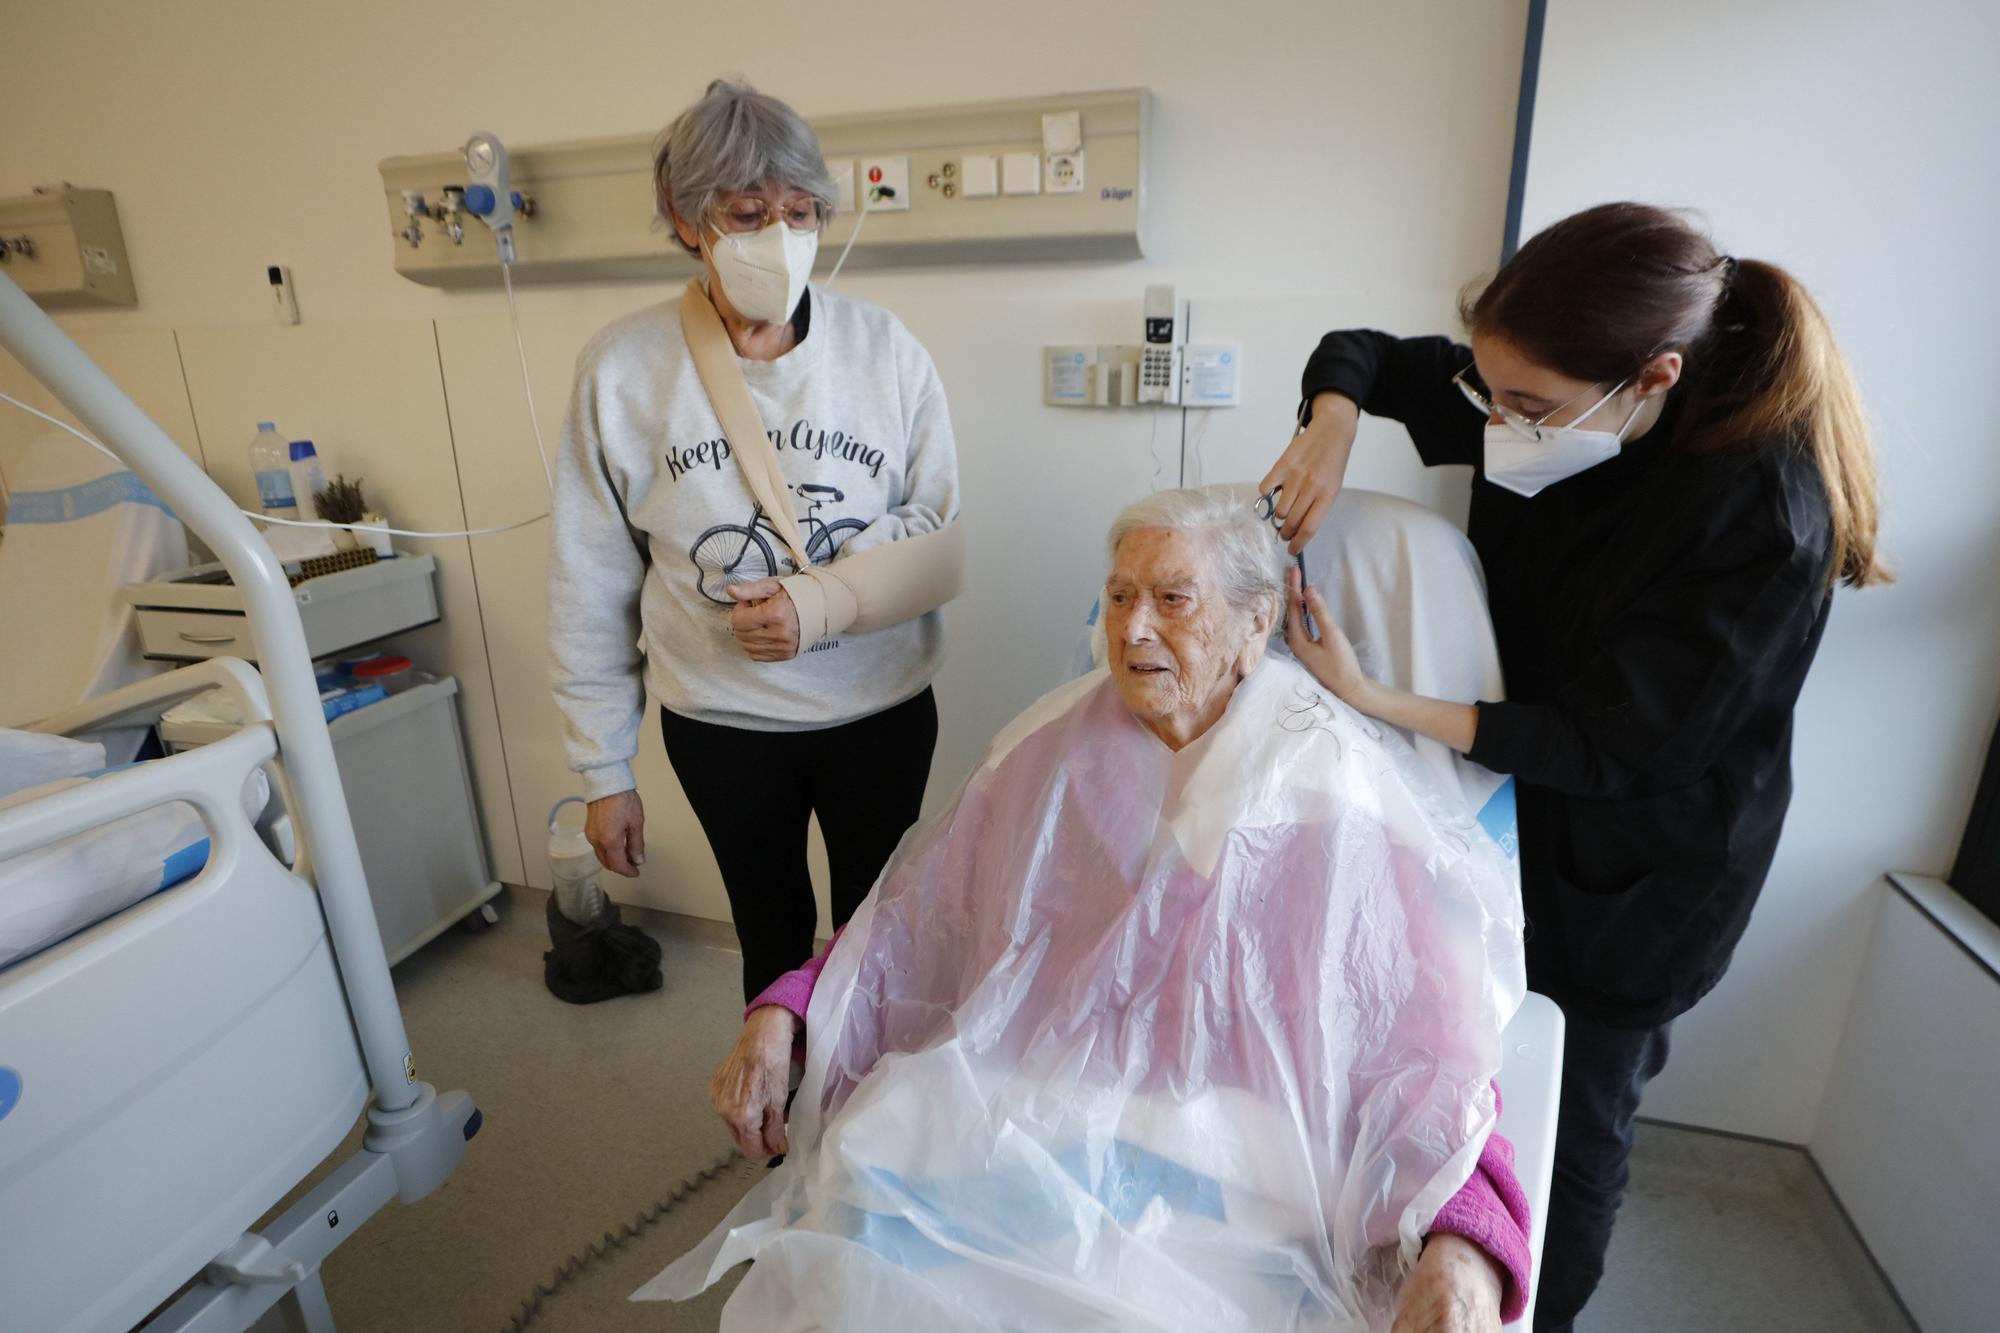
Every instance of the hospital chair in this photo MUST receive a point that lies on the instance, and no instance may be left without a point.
(1407, 589)
(170, 1073)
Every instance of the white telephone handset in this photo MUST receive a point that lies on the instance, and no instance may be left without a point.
(1160, 355)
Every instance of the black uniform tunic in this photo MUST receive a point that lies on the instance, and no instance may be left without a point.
(1656, 615)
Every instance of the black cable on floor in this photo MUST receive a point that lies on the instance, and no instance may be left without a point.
(612, 1241)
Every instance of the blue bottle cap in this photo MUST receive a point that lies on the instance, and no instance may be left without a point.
(303, 449)
(267, 425)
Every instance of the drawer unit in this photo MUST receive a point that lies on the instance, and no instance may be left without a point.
(197, 613)
(409, 793)
(184, 634)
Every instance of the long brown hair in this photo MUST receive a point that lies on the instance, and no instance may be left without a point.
(1601, 293)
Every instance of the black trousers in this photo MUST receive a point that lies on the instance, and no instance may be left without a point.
(753, 791)
(1605, 1070)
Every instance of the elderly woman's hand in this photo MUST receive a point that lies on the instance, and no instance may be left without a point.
(1330, 657)
(765, 622)
(749, 1088)
(616, 827)
(1455, 1288)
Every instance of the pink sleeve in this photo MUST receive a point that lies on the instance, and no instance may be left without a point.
(1492, 1212)
(794, 990)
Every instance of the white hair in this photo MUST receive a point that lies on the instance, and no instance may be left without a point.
(732, 140)
(1244, 551)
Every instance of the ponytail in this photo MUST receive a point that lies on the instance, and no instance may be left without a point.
(1770, 370)
(1602, 292)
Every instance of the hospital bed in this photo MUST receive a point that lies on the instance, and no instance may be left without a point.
(173, 1071)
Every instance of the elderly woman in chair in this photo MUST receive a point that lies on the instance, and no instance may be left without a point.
(1185, 1015)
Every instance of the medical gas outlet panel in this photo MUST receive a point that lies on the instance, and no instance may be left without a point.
(1028, 179)
(63, 247)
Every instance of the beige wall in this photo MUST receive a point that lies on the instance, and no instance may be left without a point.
(1314, 164)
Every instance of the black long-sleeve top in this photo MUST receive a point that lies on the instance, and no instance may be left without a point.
(1656, 615)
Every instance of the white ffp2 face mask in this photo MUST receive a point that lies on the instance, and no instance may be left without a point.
(764, 272)
(1528, 467)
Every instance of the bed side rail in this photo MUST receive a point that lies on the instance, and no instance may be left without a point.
(142, 702)
(209, 778)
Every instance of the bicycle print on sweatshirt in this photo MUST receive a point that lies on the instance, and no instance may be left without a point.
(656, 523)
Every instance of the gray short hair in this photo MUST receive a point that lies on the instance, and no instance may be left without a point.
(1248, 559)
(734, 139)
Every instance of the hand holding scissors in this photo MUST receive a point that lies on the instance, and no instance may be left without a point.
(1266, 508)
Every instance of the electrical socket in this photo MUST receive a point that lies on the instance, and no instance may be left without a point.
(884, 183)
(1063, 173)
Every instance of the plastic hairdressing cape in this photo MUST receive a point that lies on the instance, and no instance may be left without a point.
(1135, 1039)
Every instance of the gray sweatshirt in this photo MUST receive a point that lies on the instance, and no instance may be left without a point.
(652, 520)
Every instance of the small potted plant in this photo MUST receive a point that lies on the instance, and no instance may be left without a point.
(343, 503)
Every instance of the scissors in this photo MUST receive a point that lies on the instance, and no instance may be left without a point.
(1266, 508)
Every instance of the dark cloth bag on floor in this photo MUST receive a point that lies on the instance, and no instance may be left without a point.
(601, 961)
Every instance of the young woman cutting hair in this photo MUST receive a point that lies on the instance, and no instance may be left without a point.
(1672, 472)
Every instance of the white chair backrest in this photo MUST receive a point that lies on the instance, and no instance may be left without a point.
(1407, 589)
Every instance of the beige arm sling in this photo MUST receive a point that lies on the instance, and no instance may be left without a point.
(869, 590)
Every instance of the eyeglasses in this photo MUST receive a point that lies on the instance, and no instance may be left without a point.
(748, 213)
(1528, 428)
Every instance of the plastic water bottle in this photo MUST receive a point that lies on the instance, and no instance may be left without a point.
(573, 864)
(308, 477)
(271, 462)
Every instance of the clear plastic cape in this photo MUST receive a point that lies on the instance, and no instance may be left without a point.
(1129, 1038)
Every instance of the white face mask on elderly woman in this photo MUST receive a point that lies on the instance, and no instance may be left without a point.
(1527, 459)
(764, 272)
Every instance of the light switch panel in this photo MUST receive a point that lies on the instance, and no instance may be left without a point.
(979, 175)
(1021, 173)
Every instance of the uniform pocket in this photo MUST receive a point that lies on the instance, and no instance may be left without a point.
(1608, 847)
(1637, 883)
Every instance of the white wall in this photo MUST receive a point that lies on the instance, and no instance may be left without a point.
(1906, 1136)
(1850, 142)
(1313, 165)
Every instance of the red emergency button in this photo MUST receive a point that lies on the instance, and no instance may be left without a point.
(874, 175)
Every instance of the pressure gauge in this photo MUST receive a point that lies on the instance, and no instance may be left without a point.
(482, 155)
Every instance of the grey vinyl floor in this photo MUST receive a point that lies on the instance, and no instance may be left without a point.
(592, 1113)
(1725, 1233)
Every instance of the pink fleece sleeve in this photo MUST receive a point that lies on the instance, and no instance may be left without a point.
(1492, 1212)
(794, 990)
